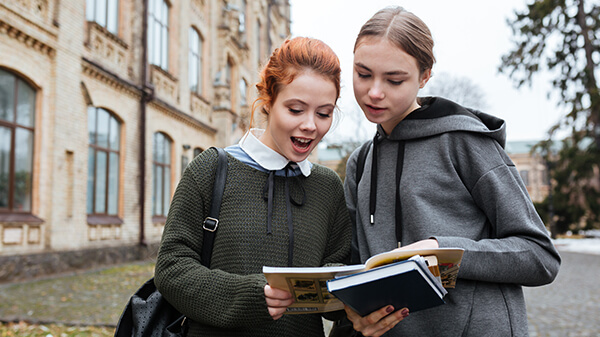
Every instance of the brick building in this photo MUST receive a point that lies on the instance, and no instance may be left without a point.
(102, 105)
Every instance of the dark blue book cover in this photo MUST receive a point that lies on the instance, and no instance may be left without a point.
(402, 284)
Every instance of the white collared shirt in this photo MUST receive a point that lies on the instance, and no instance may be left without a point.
(262, 157)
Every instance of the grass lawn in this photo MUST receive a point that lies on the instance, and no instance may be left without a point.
(81, 304)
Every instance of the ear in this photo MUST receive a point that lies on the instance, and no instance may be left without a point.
(425, 76)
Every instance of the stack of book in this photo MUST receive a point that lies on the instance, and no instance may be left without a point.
(415, 279)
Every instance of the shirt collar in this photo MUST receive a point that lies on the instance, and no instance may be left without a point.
(265, 156)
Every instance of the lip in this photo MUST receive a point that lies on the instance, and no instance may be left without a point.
(302, 149)
(375, 110)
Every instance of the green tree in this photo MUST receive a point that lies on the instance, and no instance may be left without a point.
(563, 38)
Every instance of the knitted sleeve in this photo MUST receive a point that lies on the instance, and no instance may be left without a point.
(211, 297)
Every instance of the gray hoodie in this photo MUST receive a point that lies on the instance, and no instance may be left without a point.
(455, 184)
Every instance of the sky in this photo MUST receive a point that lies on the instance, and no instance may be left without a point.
(470, 38)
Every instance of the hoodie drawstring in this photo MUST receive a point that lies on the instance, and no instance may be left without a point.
(373, 191)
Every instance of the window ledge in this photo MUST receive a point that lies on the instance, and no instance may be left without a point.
(159, 219)
(20, 218)
(104, 220)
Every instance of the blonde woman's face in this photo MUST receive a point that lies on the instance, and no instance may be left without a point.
(386, 81)
(300, 116)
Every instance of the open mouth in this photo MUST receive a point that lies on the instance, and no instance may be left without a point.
(374, 108)
(301, 143)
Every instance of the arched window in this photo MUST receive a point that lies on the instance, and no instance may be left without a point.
(243, 93)
(17, 126)
(104, 12)
(161, 174)
(195, 61)
(103, 162)
(158, 33)
(197, 151)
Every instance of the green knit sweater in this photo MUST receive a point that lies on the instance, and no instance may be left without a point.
(228, 299)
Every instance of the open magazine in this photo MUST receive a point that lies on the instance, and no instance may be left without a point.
(309, 284)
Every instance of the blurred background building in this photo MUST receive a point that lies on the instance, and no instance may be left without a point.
(103, 103)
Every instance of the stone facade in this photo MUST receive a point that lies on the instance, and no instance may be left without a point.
(74, 60)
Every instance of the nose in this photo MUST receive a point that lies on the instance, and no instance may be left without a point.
(376, 92)
(308, 123)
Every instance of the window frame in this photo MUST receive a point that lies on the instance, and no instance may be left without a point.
(158, 23)
(109, 172)
(196, 56)
(14, 126)
(160, 205)
(92, 14)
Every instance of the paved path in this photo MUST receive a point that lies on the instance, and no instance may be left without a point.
(570, 306)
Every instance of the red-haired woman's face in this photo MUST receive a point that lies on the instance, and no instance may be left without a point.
(300, 116)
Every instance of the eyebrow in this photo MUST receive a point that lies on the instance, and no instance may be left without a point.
(299, 101)
(394, 72)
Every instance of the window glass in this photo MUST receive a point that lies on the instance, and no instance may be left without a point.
(113, 183)
(158, 31)
(103, 12)
(25, 104)
(100, 12)
(161, 171)
(194, 61)
(23, 169)
(103, 162)
(102, 128)
(243, 89)
(159, 190)
(166, 190)
(90, 180)
(89, 10)
(7, 96)
(100, 195)
(5, 135)
(113, 17)
(114, 134)
(92, 125)
(17, 111)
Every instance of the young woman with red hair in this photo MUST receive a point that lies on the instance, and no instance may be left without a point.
(278, 209)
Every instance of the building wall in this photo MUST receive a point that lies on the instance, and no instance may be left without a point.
(73, 64)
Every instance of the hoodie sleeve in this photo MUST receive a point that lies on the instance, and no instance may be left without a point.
(519, 249)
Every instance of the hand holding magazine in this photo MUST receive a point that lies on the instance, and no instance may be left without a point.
(309, 285)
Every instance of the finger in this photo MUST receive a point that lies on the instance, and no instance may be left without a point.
(387, 323)
(277, 303)
(275, 293)
(378, 315)
(276, 313)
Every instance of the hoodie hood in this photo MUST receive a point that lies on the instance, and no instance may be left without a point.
(438, 115)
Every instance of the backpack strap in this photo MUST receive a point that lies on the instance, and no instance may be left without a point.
(211, 222)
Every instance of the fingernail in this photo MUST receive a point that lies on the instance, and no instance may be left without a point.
(389, 309)
(404, 312)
